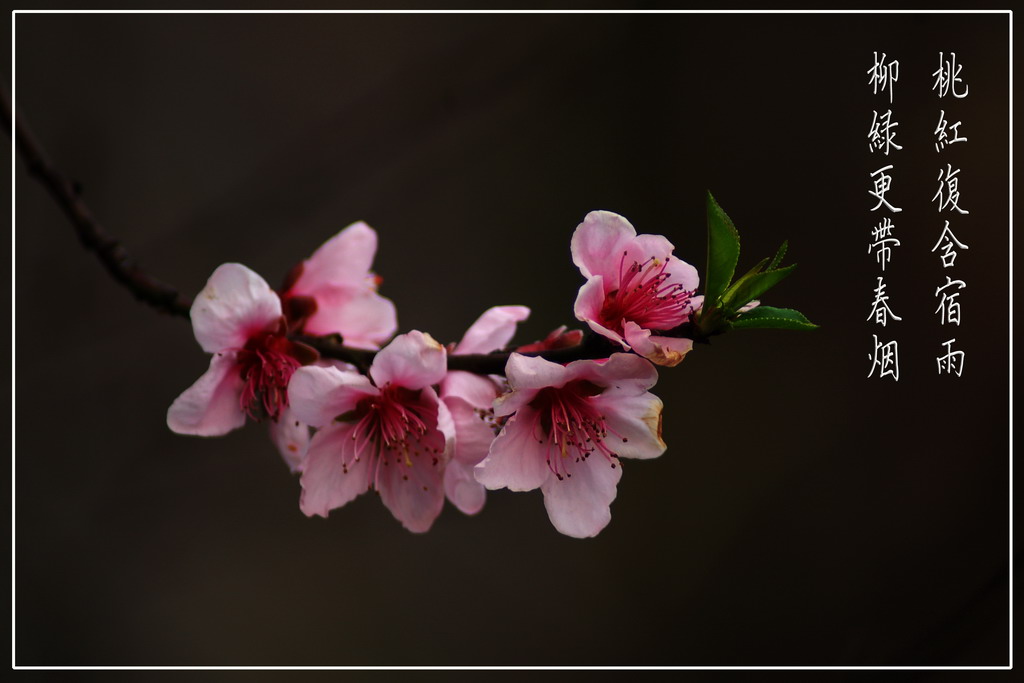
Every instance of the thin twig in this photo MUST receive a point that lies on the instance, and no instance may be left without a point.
(114, 257)
(592, 346)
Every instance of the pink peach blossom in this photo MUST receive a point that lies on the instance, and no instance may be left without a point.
(334, 291)
(237, 318)
(378, 432)
(567, 428)
(635, 287)
(468, 399)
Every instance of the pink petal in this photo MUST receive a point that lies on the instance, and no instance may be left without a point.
(646, 247)
(291, 438)
(462, 488)
(478, 390)
(621, 373)
(473, 436)
(210, 407)
(413, 360)
(317, 395)
(598, 245)
(682, 273)
(579, 505)
(473, 439)
(533, 372)
(446, 424)
(411, 485)
(327, 483)
(516, 461)
(589, 302)
(493, 330)
(363, 318)
(235, 304)
(634, 424)
(344, 260)
(666, 351)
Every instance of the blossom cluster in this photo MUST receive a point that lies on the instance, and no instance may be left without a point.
(416, 431)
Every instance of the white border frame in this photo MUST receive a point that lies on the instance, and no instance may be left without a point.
(13, 162)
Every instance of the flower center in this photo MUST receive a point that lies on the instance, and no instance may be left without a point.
(266, 363)
(646, 297)
(571, 426)
(397, 428)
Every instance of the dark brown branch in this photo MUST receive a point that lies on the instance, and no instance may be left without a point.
(110, 252)
(592, 346)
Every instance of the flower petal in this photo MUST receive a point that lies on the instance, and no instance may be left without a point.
(516, 460)
(344, 260)
(579, 505)
(333, 473)
(682, 273)
(413, 360)
(493, 330)
(599, 243)
(210, 407)
(533, 372)
(363, 318)
(473, 438)
(666, 351)
(317, 394)
(291, 438)
(621, 373)
(633, 423)
(645, 247)
(589, 302)
(235, 304)
(410, 484)
(478, 390)
(462, 488)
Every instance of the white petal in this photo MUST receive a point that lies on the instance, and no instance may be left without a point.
(291, 438)
(235, 304)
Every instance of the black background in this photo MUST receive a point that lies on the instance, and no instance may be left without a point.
(803, 513)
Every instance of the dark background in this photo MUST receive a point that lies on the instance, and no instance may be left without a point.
(803, 513)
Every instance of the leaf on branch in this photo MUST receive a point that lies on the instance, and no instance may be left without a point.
(723, 251)
(777, 259)
(752, 286)
(768, 317)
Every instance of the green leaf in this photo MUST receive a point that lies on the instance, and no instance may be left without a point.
(778, 318)
(723, 252)
(777, 259)
(754, 271)
(753, 286)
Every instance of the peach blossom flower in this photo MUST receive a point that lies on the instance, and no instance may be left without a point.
(635, 287)
(567, 428)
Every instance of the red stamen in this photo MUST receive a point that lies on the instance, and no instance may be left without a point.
(646, 297)
(392, 428)
(266, 365)
(571, 426)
